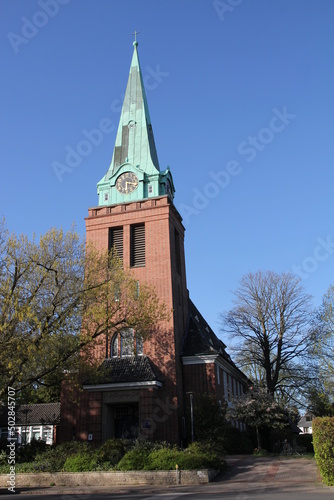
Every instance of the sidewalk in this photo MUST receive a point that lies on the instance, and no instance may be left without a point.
(248, 476)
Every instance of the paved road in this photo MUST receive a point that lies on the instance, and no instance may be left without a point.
(247, 478)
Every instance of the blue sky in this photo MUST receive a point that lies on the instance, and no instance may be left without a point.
(240, 95)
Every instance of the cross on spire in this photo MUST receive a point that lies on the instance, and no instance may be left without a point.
(135, 33)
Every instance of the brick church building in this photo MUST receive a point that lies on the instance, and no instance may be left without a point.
(147, 392)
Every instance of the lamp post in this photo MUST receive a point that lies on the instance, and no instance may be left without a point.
(191, 397)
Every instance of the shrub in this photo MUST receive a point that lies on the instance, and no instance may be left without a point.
(135, 459)
(200, 455)
(155, 456)
(323, 443)
(28, 452)
(163, 459)
(82, 462)
(53, 459)
(112, 451)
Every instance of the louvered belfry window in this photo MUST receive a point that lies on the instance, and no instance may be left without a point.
(116, 240)
(137, 245)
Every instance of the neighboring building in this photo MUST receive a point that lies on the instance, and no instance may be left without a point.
(305, 423)
(35, 421)
(146, 394)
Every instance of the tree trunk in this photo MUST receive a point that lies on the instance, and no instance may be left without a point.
(258, 439)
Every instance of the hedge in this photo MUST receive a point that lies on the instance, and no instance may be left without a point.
(323, 443)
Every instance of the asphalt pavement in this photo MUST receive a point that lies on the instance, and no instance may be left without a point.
(248, 477)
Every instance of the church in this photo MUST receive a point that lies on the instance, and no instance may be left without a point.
(147, 389)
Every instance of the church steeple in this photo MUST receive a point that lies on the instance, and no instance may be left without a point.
(134, 172)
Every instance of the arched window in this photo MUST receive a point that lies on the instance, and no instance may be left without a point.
(114, 346)
(126, 344)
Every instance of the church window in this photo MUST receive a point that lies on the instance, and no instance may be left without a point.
(114, 347)
(139, 345)
(126, 344)
(106, 196)
(137, 245)
(116, 241)
(150, 189)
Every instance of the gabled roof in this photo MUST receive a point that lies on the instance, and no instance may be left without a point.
(43, 413)
(306, 420)
(124, 370)
(200, 340)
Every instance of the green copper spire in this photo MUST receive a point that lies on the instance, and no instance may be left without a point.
(135, 141)
(134, 150)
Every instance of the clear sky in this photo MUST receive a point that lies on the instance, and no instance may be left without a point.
(240, 94)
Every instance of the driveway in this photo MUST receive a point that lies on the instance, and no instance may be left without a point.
(255, 477)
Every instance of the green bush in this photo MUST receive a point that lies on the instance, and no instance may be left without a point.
(82, 462)
(112, 451)
(28, 452)
(323, 443)
(201, 455)
(54, 459)
(159, 457)
(135, 459)
(163, 459)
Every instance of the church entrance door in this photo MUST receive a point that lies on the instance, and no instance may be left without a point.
(126, 421)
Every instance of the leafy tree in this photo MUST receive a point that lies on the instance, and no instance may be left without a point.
(323, 347)
(270, 324)
(56, 298)
(259, 410)
(320, 402)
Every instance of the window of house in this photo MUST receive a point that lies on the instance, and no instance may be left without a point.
(137, 245)
(36, 433)
(218, 375)
(47, 433)
(116, 241)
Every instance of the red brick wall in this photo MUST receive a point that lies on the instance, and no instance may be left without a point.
(80, 414)
(161, 220)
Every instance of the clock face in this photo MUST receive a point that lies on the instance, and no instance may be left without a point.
(127, 182)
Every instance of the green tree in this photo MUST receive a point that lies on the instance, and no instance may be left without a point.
(323, 347)
(259, 410)
(270, 325)
(57, 298)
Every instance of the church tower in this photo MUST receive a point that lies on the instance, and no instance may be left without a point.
(136, 214)
(148, 391)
